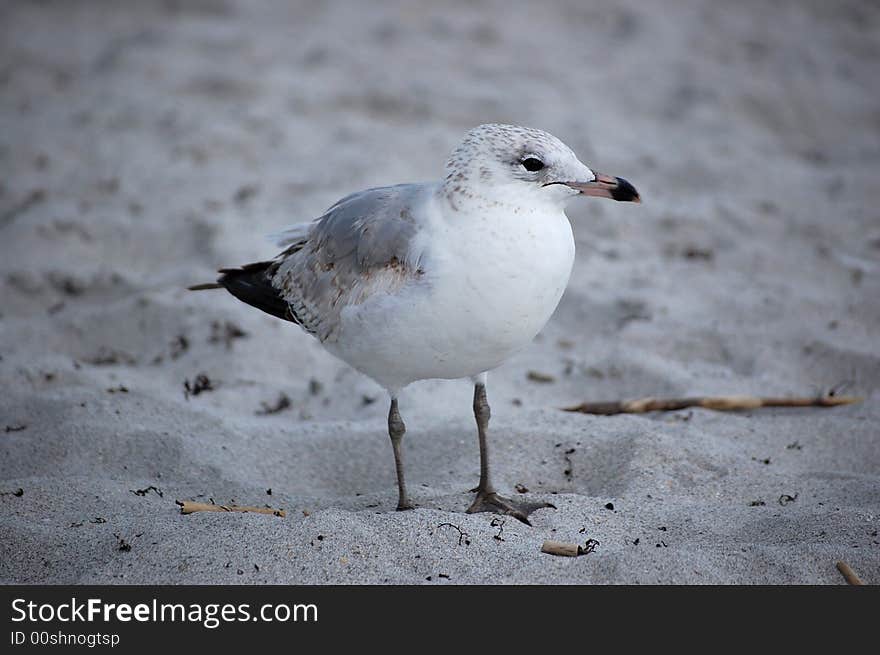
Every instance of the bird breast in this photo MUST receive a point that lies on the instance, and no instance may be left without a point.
(502, 278)
(488, 288)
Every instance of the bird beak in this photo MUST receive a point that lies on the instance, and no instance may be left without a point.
(606, 186)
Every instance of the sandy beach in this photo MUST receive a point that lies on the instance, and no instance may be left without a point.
(144, 145)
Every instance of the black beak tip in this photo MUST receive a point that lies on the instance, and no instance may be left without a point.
(625, 192)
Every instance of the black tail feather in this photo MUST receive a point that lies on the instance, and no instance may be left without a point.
(252, 284)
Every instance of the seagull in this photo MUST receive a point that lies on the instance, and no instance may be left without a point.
(442, 279)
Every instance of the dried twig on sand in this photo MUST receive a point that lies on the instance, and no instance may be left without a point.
(561, 548)
(188, 507)
(568, 550)
(849, 574)
(720, 403)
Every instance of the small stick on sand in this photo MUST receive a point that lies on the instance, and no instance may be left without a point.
(720, 403)
(188, 507)
(849, 574)
(561, 548)
(568, 550)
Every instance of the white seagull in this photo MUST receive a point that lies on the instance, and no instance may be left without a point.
(436, 280)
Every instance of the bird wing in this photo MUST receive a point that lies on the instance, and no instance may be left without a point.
(363, 245)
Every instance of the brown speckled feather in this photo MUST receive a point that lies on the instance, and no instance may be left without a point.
(363, 245)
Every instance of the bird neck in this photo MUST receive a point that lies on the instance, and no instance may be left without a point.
(465, 199)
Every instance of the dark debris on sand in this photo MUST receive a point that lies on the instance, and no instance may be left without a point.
(201, 384)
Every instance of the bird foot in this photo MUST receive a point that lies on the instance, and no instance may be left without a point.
(492, 502)
(404, 505)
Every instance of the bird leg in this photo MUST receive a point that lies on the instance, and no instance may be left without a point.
(396, 430)
(487, 499)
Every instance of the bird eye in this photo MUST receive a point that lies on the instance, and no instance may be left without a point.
(532, 164)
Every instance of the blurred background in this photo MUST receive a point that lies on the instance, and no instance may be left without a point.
(143, 145)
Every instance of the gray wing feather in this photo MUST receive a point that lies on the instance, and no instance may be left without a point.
(363, 245)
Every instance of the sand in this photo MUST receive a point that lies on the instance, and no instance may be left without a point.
(143, 147)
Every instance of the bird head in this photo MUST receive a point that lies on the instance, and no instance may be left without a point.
(510, 164)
